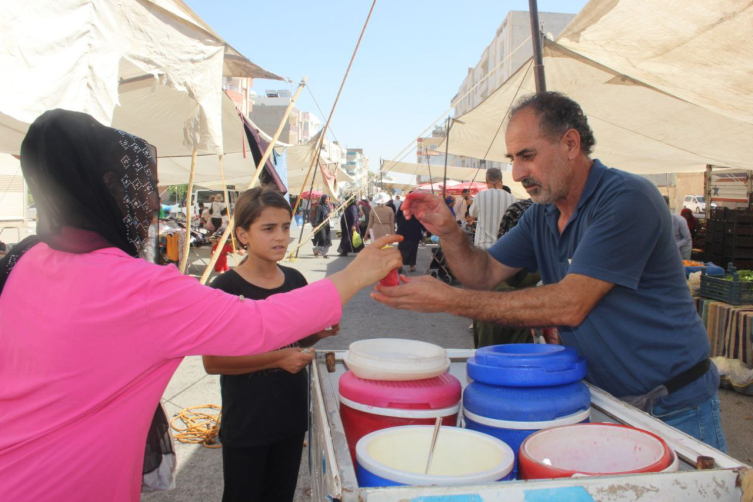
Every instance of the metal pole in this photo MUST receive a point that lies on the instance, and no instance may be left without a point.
(538, 59)
(707, 191)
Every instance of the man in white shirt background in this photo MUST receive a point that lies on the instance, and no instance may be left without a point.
(488, 208)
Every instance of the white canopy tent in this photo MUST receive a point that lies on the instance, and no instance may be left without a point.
(454, 173)
(639, 85)
(151, 67)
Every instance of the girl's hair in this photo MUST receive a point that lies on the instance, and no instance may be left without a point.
(251, 203)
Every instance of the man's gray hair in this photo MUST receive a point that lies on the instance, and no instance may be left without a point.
(493, 175)
(557, 114)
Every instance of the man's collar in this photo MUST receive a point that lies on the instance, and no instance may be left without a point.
(594, 176)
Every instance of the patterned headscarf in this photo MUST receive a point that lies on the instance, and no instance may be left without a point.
(94, 187)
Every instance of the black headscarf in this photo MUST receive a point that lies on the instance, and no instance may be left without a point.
(325, 207)
(94, 186)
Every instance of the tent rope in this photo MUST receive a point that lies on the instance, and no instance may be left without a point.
(455, 103)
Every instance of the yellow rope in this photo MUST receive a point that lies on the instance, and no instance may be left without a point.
(199, 427)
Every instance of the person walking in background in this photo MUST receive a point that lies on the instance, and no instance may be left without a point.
(692, 223)
(264, 397)
(216, 211)
(305, 209)
(397, 203)
(381, 219)
(391, 204)
(221, 264)
(682, 234)
(412, 231)
(365, 209)
(461, 207)
(488, 208)
(349, 224)
(323, 238)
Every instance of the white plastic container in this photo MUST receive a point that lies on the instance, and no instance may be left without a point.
(396, 359)
(398, 456)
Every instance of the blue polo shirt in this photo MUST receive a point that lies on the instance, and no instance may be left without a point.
(646, 329)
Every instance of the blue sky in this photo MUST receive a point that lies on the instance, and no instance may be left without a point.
(411, 62)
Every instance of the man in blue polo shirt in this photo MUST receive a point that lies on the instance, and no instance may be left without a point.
(603, 242)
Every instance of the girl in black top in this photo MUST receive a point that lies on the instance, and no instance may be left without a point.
(264, 397)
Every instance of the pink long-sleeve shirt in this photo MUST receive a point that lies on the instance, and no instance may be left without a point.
(88, 344)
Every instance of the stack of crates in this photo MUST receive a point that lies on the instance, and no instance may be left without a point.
(729, 238)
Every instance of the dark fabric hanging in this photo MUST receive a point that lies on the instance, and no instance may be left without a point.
(258, 146)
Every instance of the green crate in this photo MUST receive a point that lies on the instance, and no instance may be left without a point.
(733, 292)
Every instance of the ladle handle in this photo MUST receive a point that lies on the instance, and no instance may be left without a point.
(437, 426)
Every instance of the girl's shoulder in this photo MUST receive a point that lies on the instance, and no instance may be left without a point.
(229, 282)
(293, 276)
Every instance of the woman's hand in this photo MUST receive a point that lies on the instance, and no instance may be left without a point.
(374, 263)
(369, 266)
(295, 359)
(431, 210)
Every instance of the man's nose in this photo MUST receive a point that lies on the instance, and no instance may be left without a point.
(518, 171)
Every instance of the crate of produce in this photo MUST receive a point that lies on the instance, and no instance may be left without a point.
(735, 288)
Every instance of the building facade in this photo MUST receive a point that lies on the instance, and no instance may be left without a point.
(240, 91)
(509, 50)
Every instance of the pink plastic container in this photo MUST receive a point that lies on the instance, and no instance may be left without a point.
(371, 405)
(593, 449)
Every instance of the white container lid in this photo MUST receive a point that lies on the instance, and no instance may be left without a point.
(396, 359)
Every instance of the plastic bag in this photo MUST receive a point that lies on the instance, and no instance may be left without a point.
(356, 240)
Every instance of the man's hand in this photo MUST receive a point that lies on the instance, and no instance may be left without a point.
(419, 294)
(295, 359)
(431, 211)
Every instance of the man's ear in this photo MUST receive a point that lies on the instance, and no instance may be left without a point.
(571, 141)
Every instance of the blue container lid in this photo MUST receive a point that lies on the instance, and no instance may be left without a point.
(526, 365)
(532, 404)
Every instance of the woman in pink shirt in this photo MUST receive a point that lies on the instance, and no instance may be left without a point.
(91, 334)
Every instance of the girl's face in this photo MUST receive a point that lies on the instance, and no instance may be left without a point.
(267, 237)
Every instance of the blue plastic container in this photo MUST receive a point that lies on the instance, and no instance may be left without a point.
(522, 388)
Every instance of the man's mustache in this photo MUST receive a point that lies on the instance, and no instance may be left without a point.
(529, 182)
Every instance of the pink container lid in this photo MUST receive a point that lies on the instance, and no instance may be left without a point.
(432, 393)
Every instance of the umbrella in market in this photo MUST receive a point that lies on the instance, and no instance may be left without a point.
(474, 186)
(314, 195)
(436, 187)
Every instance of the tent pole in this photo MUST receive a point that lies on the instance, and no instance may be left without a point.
(259, 168)
(708, 191)
(311, 189)
(189, 202)
(227, 206)
(538, 68)
(446, 148)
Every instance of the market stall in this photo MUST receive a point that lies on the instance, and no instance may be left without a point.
(334, 474)
(730, 329)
